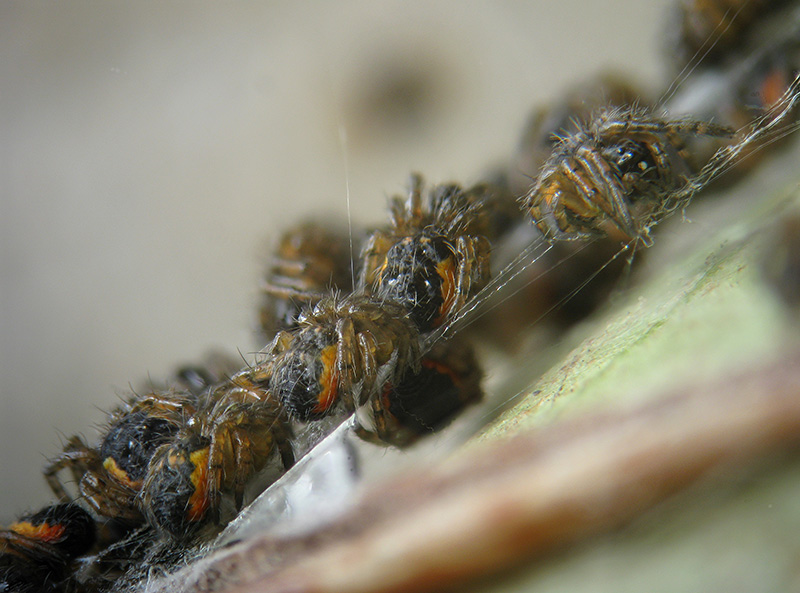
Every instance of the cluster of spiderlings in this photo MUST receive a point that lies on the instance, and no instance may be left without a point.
(367, 338)
(166, 459)
(414, 276)
(111, 477)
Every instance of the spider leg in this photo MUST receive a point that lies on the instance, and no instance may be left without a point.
(281, 436)
(245, 466)
(280, 343)
(467, 256)
(77, 457)
(367, 346)
(616, 204)
(348, 363)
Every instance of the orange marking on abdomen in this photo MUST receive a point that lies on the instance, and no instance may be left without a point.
(199, 501)
(329, 381)
(43, 533)
(119, 474)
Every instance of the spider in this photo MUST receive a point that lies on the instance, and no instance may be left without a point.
(110, 476)
(709, 29)
(611, 175)
(754, 83)
(423, 402)
(757, 91)
(229, 439)
(547, 124)
(342, 351)
(433, 257)
(38, 550)
(312, 260)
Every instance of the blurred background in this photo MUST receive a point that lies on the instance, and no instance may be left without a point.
(152, 154)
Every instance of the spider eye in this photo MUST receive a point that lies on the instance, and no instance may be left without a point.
(631, 157)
